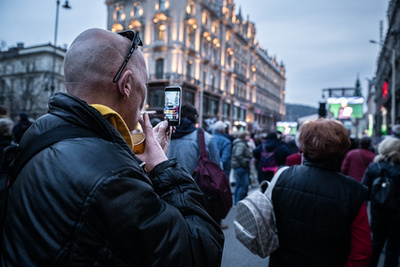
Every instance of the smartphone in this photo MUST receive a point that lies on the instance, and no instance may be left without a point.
(172, 105)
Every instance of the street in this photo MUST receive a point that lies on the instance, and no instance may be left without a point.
(235, 254)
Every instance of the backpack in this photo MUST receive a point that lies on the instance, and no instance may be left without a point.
(267, 160)
(254, 223)
(382, 192)
(213, 182)
(14, 159)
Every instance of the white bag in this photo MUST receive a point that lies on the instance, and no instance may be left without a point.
(254, 224)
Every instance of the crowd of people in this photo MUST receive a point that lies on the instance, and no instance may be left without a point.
(90, 200)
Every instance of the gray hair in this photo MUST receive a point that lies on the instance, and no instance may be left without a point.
(389, 149)
(219, 127)
(396, 130)
(6, 126)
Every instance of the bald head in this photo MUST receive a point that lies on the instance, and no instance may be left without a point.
(94, 58)
(90, 65)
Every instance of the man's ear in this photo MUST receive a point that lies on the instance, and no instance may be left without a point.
(125, 84)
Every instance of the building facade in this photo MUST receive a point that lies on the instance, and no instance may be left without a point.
(384, 88)
(26, 78)
(209, 50)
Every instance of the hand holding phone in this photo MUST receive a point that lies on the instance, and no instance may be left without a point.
(172, 105)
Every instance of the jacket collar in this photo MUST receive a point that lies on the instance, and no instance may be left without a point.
(331, 164)
(116, 120)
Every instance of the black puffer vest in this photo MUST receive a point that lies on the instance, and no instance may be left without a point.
(315, 206)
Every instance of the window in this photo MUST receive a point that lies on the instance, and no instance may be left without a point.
(226, 110)
(119, 14)
(162, 5)
(159, 68)
(156, 98)
(188, 70)
(229, 60)
(242, 114)
(205, 105)
(191, 35)
(212, 77)
(138, 11)
(189, 97)
(235, 113)
(161, 32)
(204, 19)
(213, 108)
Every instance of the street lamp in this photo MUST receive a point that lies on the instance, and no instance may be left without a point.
(393, 111)
(66, 6)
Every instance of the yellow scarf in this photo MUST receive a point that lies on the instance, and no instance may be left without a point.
(116, 120)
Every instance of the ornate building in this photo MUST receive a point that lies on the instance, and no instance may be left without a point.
(26, 78)
(384, 88)
(209, 50)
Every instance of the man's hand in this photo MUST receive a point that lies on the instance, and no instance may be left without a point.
(162, 134)
(153, 153)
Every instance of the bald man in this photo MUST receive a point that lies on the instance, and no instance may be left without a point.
(89, 200)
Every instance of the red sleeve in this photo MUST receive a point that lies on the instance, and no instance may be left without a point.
(345, 165)
(361, 246)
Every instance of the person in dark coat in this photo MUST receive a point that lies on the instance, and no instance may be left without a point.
(224, 146)
(280, 150)
(6, 139)
(91, 201)
(321, 216)
(23, 123)
(385, 224)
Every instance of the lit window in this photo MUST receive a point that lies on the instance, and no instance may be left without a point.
(138, 11)
(161, 32)
(204, 20)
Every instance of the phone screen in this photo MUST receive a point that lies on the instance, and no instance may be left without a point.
(172, 105)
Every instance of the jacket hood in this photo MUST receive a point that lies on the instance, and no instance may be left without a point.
(186, 127)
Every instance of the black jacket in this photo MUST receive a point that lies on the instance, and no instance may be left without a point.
(393, 171)
(87, 202)
(315, 206)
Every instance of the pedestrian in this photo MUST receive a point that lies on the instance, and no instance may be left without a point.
(23, 123)
(396, 130)
(6, 139)
(240, 162)
(4, 112)
(321, 216)
(357, 160)
(223, 144)
(385, 223)
(91, 200)
(184, 142)
(295, 158)
(270, 154)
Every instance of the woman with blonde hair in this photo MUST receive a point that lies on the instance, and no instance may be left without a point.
(385, 223)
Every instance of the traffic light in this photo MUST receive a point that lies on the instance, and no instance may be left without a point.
(322, 110)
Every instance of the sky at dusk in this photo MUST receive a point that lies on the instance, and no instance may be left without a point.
(323, 44)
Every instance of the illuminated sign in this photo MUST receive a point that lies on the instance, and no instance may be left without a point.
(287, 127)
(346, 107)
